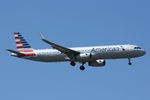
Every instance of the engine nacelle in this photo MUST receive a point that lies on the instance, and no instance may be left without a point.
(97, 63)
(83, 56)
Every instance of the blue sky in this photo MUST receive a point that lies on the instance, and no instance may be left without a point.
(75, 23)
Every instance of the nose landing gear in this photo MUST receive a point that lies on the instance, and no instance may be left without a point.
(129, 61)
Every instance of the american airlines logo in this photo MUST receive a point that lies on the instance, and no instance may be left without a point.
(123, 49)
(105, 49)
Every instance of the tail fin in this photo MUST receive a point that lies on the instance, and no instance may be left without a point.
(21, 43)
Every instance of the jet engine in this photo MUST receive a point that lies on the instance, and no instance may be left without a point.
(97, 63)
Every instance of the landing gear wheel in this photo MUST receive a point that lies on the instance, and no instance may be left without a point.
(130, 63)
(82, 68)
(72, 63)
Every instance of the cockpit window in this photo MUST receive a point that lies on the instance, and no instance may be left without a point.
(137, 47)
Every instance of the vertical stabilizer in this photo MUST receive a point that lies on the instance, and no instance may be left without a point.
(21, 43)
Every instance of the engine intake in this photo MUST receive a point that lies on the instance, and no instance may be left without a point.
(97, 63)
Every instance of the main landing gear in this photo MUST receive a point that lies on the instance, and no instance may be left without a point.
(72, 63)
(129, 61)
(82, 67)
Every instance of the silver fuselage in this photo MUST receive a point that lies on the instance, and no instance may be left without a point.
(98, 52)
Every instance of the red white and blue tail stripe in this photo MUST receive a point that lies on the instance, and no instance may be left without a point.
(22, 45)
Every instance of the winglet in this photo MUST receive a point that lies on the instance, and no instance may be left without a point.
(42, 37)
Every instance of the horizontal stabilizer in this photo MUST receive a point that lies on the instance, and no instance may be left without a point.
(18, 53)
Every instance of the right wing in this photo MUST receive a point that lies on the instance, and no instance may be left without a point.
(69, 52)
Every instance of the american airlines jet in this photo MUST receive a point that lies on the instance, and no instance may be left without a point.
(95, 56)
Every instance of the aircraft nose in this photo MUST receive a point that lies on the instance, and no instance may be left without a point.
(143, 52)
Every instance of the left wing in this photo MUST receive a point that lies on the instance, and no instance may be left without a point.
(69, 52)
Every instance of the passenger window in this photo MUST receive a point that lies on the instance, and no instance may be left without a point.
(137, 47)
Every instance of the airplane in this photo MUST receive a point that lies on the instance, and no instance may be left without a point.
(95, 56)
